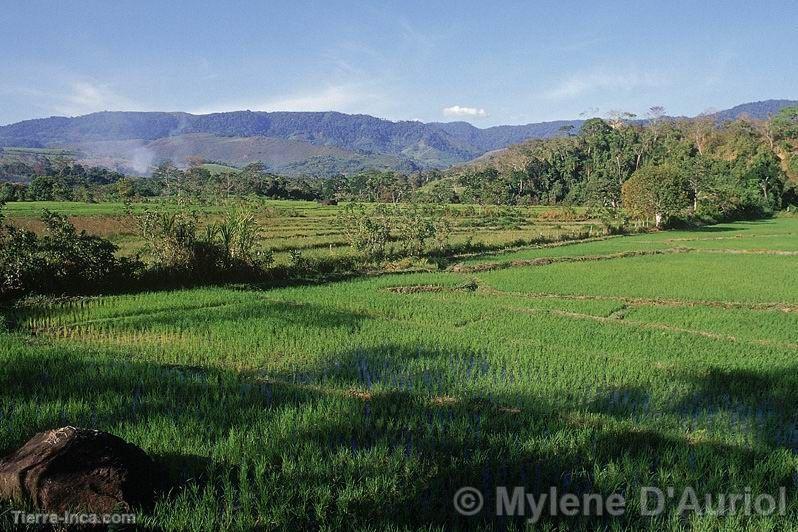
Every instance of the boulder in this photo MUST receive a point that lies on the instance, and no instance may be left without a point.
(75, 469)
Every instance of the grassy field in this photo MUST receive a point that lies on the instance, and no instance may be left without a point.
(216, 169)
(664, 360)
(309, 226)
(11, 151)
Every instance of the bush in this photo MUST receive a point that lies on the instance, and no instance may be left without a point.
(225, 250)
(59, 262)
(367, 232)
(726, 202)
(613, 221)
(411, 228)
(414, 228)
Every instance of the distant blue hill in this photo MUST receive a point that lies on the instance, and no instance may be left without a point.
(350, 141)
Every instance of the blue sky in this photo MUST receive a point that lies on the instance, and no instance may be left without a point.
(485, 62)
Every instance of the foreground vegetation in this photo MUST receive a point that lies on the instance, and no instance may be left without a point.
(521, 345)
(320, 238)
(661, 359)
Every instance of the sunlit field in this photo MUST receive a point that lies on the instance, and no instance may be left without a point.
(312, 228)
(666, 359)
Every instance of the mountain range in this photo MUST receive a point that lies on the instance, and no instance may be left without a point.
(293, 143)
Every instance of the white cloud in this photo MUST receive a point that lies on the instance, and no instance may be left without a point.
(86, 97)
(421, 41)
(75, 98)
(457, 110)
(343, 98)
(588, 82)
(329, 99)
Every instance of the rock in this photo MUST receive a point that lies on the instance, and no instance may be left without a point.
(74, 469)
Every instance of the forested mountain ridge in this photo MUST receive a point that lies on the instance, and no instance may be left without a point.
(715, 170)
(758, 110)
(357, 140)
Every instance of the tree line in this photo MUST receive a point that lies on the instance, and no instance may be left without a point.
(741, 168)
(736, 169)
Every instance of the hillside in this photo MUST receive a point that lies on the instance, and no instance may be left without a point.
(276, 154)
(758, 110)
(319, 143)
(516, 155)
(366, 135)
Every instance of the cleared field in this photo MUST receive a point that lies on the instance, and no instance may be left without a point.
(367, 404)
(11, 151)
(216, 169)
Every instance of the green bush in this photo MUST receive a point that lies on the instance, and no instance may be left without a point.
(411, 228)
(656, 193)
(367, 232)
(414, 228)
(225, 250)
(60, 261)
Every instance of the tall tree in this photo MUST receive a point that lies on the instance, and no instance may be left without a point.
(656, 192)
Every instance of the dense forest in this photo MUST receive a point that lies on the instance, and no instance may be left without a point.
(739, 168)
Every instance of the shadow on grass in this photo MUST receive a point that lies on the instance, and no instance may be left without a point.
(370, 440)
(764, 401)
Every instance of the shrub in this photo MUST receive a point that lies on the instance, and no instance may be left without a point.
(414, 228)
(443, 230)
(237, 235)
(223, 251)
(60, 261)
(296, 260)
(411, 228)
(613, 221)
(171, 238)
(367, 232)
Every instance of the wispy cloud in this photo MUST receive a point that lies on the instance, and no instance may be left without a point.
(422, 42)
(88, 97)
(459, 111)
(331, 98)
(354, 60)
(719, 67)
(74, 98)
(580, 45)
(621, 80)
(344, 98)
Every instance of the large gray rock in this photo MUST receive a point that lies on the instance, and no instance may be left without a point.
(74, 469)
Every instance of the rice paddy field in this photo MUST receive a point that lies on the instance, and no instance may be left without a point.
(667, 359)
(310, 227)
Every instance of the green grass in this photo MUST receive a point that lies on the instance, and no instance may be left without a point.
(780, 234)
(303, 225)
(362, 405)
(37, 151)
(686, 276)
(216, 169)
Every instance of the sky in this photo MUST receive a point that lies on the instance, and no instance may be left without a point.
(488, 63)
